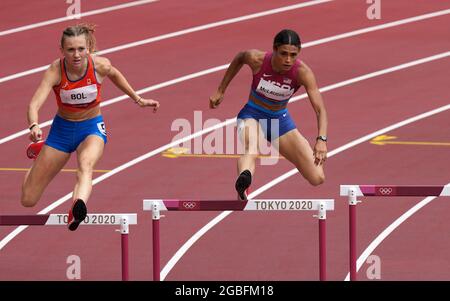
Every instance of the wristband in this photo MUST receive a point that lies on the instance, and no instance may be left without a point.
(32, 125)
(323, 138)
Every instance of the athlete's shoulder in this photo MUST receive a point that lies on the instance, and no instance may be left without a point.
(102, 65)
(303, 69)
(55, 65)
(52, 75)
(252, 57)
(305, 75)
(255, 55)
(101, 60)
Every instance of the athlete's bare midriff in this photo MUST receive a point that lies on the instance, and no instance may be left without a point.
(80, 115)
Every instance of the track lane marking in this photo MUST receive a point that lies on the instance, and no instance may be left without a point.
(191, 241)
(222, 67)
(221, 216)
(178, 33)
(386, 232)
(210, 25)
(69, 18)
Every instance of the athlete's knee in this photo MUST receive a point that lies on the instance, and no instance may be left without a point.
(317, 179)
(251, 154)
(84, 173)
(249, 141)
(28, 200)
(249, 157)
(86, 167)
(251, 147)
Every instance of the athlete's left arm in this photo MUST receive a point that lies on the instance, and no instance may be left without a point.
(307, 79)
(104, 68)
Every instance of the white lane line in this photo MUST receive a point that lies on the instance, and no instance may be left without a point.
(46, 210)
(116, 170)
(386, 25)
(186, 31)
(123, 97)
(81, 15)
(191, 241)
(179, 33)
(222, 67)
(386, 232)
(216, 24)
(215, 69)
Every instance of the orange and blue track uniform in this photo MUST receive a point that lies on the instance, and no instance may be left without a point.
(76, 96)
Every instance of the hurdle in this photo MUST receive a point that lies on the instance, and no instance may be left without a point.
(319, 205)
(355, 191)
(98, 219)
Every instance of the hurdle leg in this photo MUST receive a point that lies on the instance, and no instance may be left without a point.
(322, 216)
(124, 230)
(156, 216)
(352, 202)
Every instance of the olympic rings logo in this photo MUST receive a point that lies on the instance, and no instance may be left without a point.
(189, 205)
(385, 190)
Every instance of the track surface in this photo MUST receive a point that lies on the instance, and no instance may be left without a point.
(243, 246)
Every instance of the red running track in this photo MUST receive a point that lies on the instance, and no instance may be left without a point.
(244, 246)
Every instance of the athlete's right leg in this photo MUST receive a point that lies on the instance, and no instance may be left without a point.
(249, 132)
(47, 165)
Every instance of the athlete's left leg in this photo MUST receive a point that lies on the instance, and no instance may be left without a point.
(295, 148)
(88, 154)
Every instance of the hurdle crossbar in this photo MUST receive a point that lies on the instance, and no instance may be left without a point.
(319, 205)
(354, 191)
(98, 219)
(396, 190)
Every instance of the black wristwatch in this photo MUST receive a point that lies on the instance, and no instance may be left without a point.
(321, 137)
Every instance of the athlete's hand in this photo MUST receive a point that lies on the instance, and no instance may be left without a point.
(35, 134)
(320, 152)
(215, 100)
(142, 102)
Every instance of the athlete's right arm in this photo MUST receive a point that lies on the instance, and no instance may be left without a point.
(50, 79)
(247, 57)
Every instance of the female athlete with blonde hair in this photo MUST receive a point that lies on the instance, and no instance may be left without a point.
(76, 80)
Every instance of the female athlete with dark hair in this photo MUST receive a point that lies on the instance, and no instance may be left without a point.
(277, 75)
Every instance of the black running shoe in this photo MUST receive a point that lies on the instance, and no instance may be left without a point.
(242, 183)
(77, 214)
